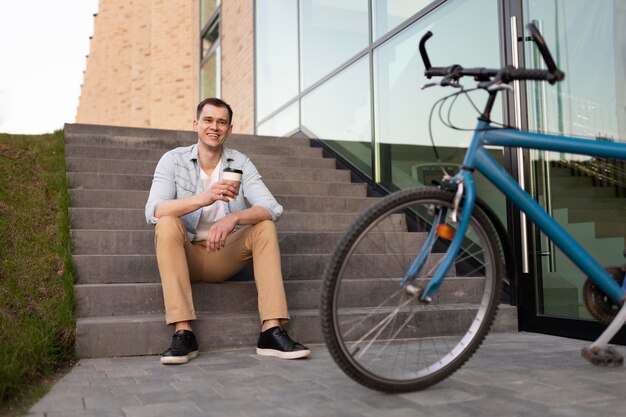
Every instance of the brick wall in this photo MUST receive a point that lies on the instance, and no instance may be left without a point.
(142, 68)
(238, 62)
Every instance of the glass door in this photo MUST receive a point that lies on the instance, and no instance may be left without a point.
(587, 196)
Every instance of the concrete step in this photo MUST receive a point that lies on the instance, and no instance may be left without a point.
(251, 149)
(581, 190)
(320, 187)
(109, 336)
(297, 203)
(572, 181)
(98, 269)
(577, 215)
(128, 269)
(610, 229)
(146, 167)
(108, 218)
(94, 300)
(118, 154)
(573, 201)
(108, 181)
(141, 242)
(134, 219)
(142, 137)
(115, 199)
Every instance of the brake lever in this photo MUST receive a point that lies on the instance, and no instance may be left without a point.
(499, 85)
(428, 85)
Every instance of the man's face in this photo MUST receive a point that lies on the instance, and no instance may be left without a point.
(213, 127)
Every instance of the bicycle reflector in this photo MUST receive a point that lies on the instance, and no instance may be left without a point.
(445, 231)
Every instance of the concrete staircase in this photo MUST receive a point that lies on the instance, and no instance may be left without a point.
(118, 290)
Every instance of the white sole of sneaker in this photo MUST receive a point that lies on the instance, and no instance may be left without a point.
(178, 360)
(283, 355)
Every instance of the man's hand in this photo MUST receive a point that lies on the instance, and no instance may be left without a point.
(220, 191)
(218, 233)
(220, 229)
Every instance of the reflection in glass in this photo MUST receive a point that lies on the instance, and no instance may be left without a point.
(276, 37)
(388, 14)
(331, 32)
(284, 123)
(339, 112)
(210, 76)
(210, 39)
(207, 8)
(585, 195)
(402, 109)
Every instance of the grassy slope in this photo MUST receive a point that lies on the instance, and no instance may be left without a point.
(36, 296)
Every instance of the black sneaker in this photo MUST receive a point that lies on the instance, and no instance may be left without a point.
(276, 342)
(184, 347)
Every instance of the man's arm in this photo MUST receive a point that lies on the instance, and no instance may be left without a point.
(220, 191)
(220, 230)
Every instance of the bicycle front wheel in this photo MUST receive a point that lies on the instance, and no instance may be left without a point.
(380, 333)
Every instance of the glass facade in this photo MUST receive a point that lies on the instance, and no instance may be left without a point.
(388, 14)
(210, 49)
(276, 62)
(584, 194)
(207, 9)
(362, 96)
(339, 111)
(331, 32)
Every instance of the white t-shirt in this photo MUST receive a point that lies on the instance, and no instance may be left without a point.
(214, 212)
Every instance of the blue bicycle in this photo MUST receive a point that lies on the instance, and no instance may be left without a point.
(414, 285)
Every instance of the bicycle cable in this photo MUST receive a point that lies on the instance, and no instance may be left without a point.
(447, 120)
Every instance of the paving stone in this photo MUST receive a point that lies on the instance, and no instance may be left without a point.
(438, 395)
(177, 409)
(110, 400)
(143, 386)
(113, 382)
(175, 396)
(565, 396)
(507, 377)
(109, 412)
(60, 402)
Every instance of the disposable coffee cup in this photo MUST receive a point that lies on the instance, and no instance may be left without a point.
(234, 175)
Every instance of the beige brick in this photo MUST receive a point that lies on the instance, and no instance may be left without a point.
(142, 68)
(237, 62)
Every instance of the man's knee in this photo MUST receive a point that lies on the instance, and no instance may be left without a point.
(266, 226)
(266, 229)
(169, 227)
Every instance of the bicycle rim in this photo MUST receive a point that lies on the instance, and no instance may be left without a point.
(380, 334)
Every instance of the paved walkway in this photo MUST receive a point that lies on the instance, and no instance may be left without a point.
(521, 374)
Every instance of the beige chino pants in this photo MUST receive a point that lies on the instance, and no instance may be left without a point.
(181, 262)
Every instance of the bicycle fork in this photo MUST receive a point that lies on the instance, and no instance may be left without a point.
(465, 192)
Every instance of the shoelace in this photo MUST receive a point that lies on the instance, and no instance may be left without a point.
(286, 338)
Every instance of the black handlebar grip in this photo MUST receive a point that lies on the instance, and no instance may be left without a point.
(437, 72)
(423, 52)
(557, 75)
(529, 74)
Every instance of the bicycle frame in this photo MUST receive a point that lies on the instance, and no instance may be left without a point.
(477, 157)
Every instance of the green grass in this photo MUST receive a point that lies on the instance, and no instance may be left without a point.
(36, 295)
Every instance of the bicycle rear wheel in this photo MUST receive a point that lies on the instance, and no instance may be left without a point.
(380, 334)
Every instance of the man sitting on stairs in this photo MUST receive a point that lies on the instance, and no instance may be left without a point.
(206, 232)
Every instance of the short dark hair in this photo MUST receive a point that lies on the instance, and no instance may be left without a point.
(214, 101)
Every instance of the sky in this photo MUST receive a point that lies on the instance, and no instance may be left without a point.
(43, 44)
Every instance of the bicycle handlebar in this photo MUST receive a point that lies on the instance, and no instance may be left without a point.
(505, 74)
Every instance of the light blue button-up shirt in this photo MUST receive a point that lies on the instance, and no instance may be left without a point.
(177, 176)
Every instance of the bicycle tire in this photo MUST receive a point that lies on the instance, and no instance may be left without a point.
(367, 266)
